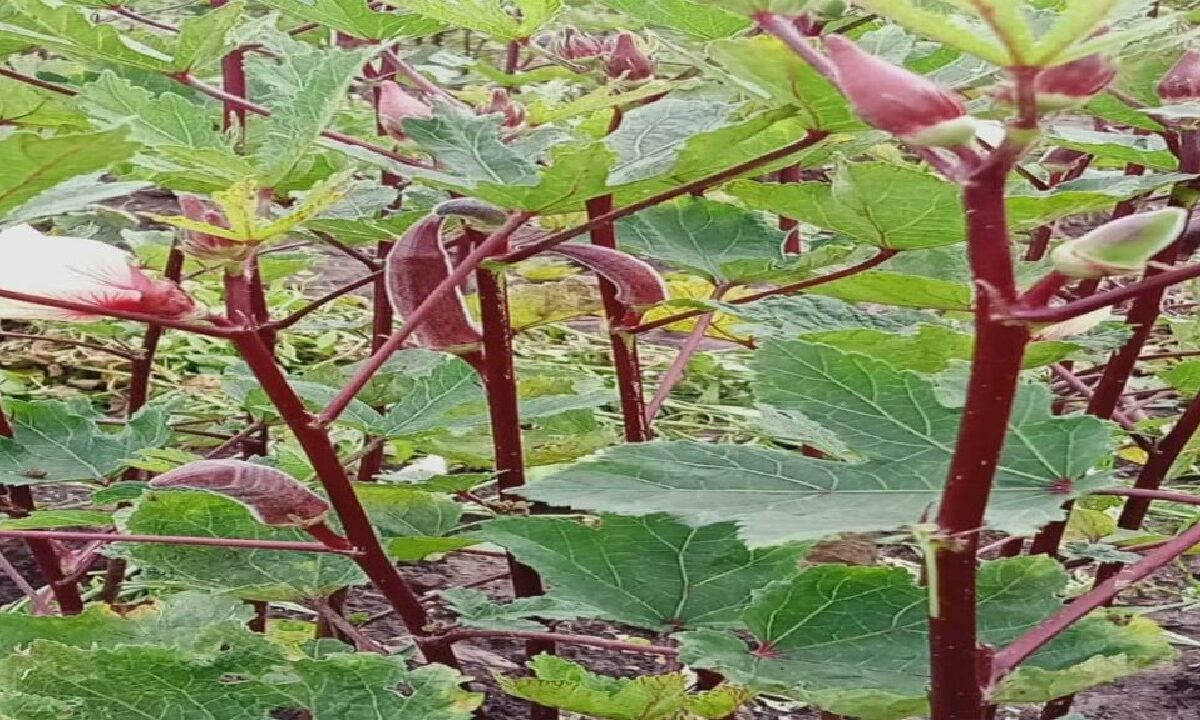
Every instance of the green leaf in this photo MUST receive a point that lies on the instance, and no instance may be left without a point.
(52, 519)
(791, 316)
(23, 105)
(358, 19)
(367, 231)
(565, 685)
(854, 640)
(1184, 377)
(81, 192)
(487, 16)
(204, 39)
(651, 137)
(767, 68)
(415, 549)
(952, 30)
(891, 418)
(898, 289)
(1072, 23)
(67, 30)
(1028, 208)
(245, 573)
(874, 203)
(55, 441)
(398, 511)
(704, 22)
(33, 163)
(651, 572)
(720, 241)
(1108, 107)
(308, 89)
(470, 146)
(1146, 150)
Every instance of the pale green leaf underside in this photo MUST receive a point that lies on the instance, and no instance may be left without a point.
(33, 164)
(890, 417)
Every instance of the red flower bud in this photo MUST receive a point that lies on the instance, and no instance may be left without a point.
(899, 101)
(414, 268)
(502, 104)
(1071, 84)
(202, 245)
(396, 105)
(573, 46)
(627, 60)
(1181, 84)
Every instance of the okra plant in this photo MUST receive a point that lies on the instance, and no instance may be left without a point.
(948, 242)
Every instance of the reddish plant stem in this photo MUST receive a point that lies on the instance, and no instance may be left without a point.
(878, 259)
(626, 361)
(290, 320)
(345, 249)
(235, 443)
(512, 57)
(143, 366)
(109, 538)
(206, 330)
(233, 77)
(455, 636)
(957, 679)
(1006, 660)
(1083, 306)
(38, 606)
(147, 21)
(323, 456)
(500, 383)
(792, 244)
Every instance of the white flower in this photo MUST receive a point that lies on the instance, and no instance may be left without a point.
(82, 271)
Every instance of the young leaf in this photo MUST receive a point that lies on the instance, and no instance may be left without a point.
(954, 31)
(563, 684)
(854, 640)
(205, 38)
(470, 146)
(272, 496)
(245, 573)
(892, 418)
(67, 30)
(651, 572)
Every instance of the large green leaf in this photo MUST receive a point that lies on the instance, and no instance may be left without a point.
(771, 71)
(879, 204)
(651, 137)
(23, 105)
(245, 573)
(191, 657)
(54, 441)
(358, 19)
(1146, 150)
(563, 684)
(703, 22)
(67, 30)
(893, 419)
(899, 289)
(33, 163)
(717, 240)
(651, 572)
(854, 640)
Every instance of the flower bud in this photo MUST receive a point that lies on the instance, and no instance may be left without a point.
(396, 106)
(574, 46)
(626, 59)
(415, 266)
(1181, 84)
(897, 100)
(1072, 84)
(1121, 246)
(202, 245)
(502, 104)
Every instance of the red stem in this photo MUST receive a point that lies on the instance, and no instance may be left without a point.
(626, 361)
(958, 683)
(150, 22)
(678, 367)
(323, 456)
(325, 299)
(233, 77)
(792, 245)
(209, 331)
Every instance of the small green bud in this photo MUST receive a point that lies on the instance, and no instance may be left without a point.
(1120, 247)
